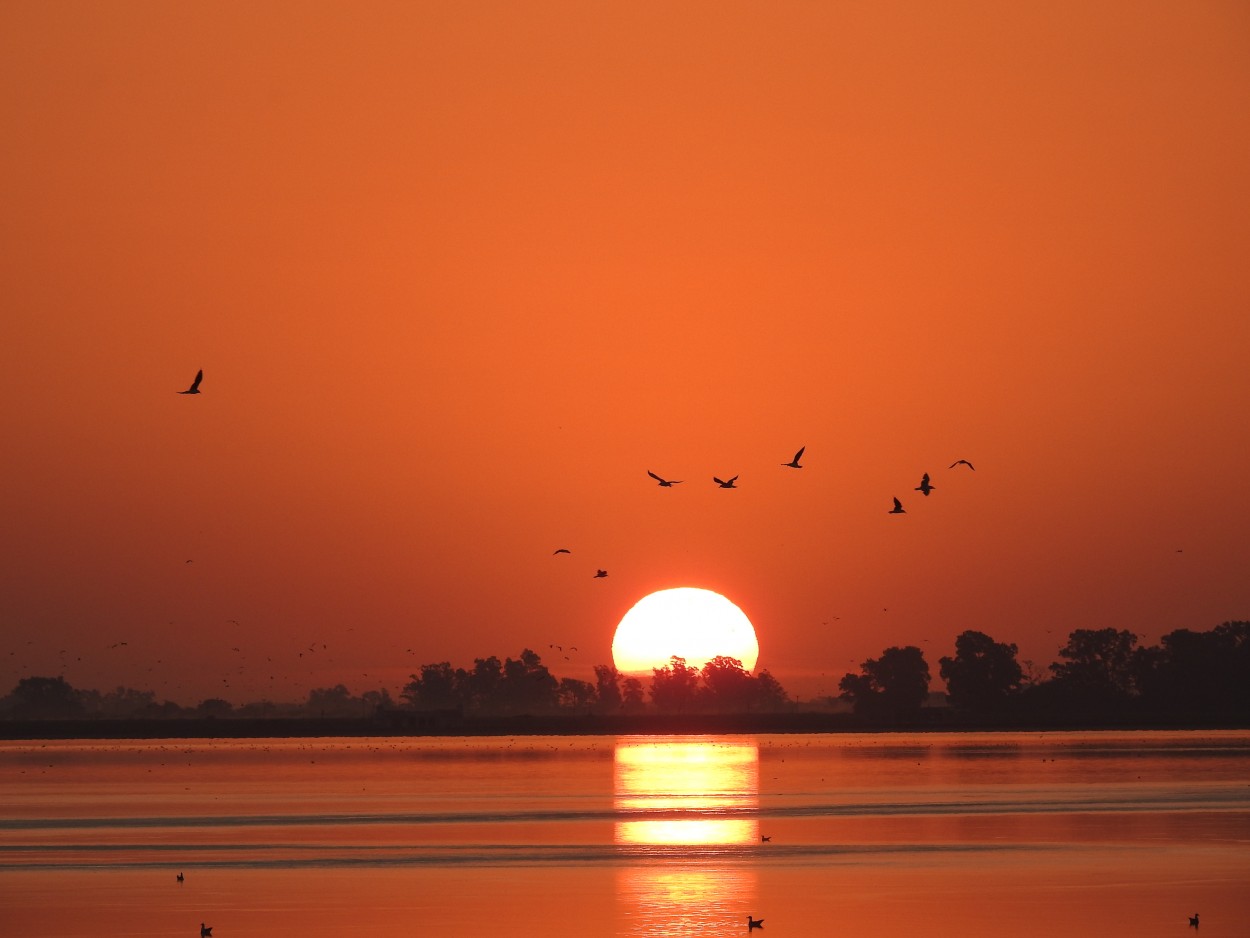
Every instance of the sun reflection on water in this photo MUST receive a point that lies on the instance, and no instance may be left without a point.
(688, 816)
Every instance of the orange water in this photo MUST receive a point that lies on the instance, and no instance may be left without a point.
(890, 836)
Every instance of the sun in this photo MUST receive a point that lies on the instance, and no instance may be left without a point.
(695, 624)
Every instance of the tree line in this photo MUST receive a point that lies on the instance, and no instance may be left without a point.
(1100, 674)
(525, 685)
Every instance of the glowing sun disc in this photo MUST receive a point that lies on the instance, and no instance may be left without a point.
(695, 624)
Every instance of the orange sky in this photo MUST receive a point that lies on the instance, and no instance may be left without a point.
(458, 275)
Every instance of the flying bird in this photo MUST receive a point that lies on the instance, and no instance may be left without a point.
(664, 483)
(599, 574)
(561, 550)
(754, 923)
(924, 487)
(897, 509)
(726, 485)
(963, 462)
(195, 385)
(794, 463)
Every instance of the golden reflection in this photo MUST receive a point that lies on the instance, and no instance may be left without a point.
(688, 790)
(687, 815)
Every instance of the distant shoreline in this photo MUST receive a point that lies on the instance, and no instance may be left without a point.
(406, 723)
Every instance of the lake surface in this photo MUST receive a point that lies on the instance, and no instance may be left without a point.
(888, 835)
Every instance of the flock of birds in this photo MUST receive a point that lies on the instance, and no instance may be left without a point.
(924, 488)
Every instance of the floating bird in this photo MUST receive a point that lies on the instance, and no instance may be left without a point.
(924, 486)
(754, 923)
(561, 550)
(206, 931)
(897, 509)
(599, 574)
(764, 839)
(664, 483)
(195, 385)
(1193, 920)
(794, 463)
(726, 485)
(179, 877)
(963, 462)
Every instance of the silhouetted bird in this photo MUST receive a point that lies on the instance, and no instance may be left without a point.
(195, 385)
(726, 485)
(664, 483)
(1193, 920)
(794, 463)
(599, 574)
(897, 509)
(764, 839)
(206, 931)
(924, 487)
(561, 550)
(754, 923)
(963, 462)
(179, 877)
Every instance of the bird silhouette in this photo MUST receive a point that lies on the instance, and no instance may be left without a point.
(897, 509)
(726, 485)
(963, 462)
(179, 877)
(599, 574)
(206, 931)
(794, 463)
(195, 385)
(764, 839)
(664, 483)
(1193, 920)
(924, 487)
(561, 550)
(754, 923)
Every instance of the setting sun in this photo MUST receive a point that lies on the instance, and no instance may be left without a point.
(695, 624)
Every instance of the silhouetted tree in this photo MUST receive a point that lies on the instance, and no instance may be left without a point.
(333, 701)
(676, 686)
(1097, 669)
(769, 692)
(632, 699)
(214, 707)
(1200, 674)
(372, 701)
(983, 675)
(727, 685)
(40, 698)
(257, 708)
(574, 695)
(607, 688)
(128, 702)
(527, 686)
(482, 683)
(438, 687)
(893, 686)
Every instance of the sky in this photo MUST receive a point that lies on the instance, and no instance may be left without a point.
(459, 274)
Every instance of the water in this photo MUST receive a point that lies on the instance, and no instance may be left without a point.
(888, 835)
